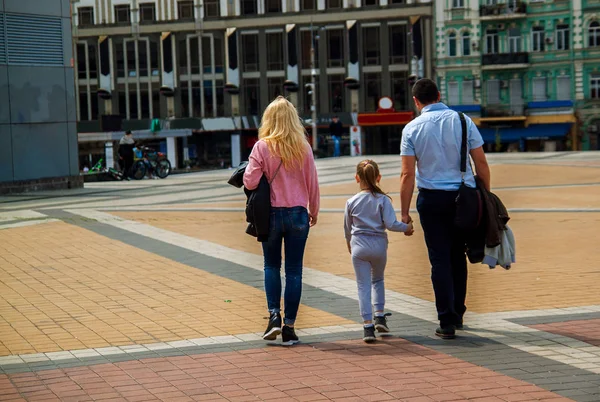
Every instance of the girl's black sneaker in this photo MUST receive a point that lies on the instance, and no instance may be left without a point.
(369, 334)
(274, 327)
(381, 323)
(289, 336)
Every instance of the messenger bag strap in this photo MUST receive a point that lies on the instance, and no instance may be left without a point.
(277, 171)
(463, 147)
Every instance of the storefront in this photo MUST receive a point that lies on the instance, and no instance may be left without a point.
(382, 131)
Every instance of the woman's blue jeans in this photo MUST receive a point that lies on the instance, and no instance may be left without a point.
(289, 226)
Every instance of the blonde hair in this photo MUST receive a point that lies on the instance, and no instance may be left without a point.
(368, 173)
(283, 132)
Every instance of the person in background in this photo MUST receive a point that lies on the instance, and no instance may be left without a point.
(126, 145)
(336, 129)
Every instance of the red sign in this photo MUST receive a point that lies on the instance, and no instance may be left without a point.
(385, 119)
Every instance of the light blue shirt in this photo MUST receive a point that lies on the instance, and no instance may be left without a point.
(434, 138)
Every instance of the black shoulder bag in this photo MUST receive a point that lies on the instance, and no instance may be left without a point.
(468, 202)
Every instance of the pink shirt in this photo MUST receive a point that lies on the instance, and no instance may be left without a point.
(291, 188)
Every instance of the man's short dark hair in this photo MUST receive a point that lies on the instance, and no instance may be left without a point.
(426, 91)
(128, 132)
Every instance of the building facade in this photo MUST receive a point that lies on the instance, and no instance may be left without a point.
(38, 132)
(527, 71)
(212, 66)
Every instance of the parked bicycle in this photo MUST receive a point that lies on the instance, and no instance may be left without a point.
(150, 161)
(99, 168)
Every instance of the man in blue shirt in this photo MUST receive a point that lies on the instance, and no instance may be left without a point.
(432, 142)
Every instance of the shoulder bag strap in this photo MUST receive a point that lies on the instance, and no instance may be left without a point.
(277, 171)
(463, 146)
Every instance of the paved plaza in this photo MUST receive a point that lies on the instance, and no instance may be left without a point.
(151, 290)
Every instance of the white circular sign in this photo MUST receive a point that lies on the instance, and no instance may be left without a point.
(385, 103)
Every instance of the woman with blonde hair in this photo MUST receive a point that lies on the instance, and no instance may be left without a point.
(284, 156)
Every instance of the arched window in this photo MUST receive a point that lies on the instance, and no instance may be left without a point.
(452, 44)
(466, 43)
(594, 34)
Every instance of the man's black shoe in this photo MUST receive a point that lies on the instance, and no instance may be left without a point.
(446, 332)
(274, 327)
(289, 336)
(460, 326)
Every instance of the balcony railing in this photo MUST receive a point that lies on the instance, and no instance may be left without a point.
(502, 59)
(505, 9)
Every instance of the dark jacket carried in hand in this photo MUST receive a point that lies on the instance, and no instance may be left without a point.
(493, 223)
(258, 204)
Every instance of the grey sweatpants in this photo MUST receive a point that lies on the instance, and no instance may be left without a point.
(369, 256)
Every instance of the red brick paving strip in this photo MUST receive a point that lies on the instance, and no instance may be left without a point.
(394, 369)
(583, 330)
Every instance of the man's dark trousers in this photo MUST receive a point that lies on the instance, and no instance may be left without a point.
(446, 247)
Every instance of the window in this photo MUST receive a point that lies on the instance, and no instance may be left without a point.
(594, 34)
(540, 93)
(123, 13)
(249, 7)
(398, 2)
(86, 16)
(453, 93)
(398, 54)
(308, 5)
(335, 48)
(452, 44)
(466, 44)
(306, 39)
(334, 4)
(88, 104)
(336, 93)
(273, 6)
(371, 44)
(87, 64)
(147, 12)
(250, 52)
(371, 2)
(537, 39)
(562, 37)
(468, 97)
(275, 51)
(275, 87)
(595, 87)
(458, 3)
(514, 40)
(399, 83)
(491, 41)
(185, 9)
(251, 88)
(212, 8)
(493, 92)
(563, 87)
(372, 91)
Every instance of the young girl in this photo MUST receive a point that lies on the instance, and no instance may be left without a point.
(368, 214)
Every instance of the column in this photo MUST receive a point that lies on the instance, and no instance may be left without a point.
(109, 155)
(233, 71)
(292, 72)
(172, 152)
(353, 79)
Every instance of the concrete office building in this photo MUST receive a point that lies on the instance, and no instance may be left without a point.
(38, 132)
(209, 67)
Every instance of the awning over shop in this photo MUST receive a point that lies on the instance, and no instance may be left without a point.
(533, 132)
(250, 122)
(137, 134)
(218, 124)
(325, 119)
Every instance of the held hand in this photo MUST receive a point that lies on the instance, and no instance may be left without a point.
(411, 229)
(406, 219)
(313, 220)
